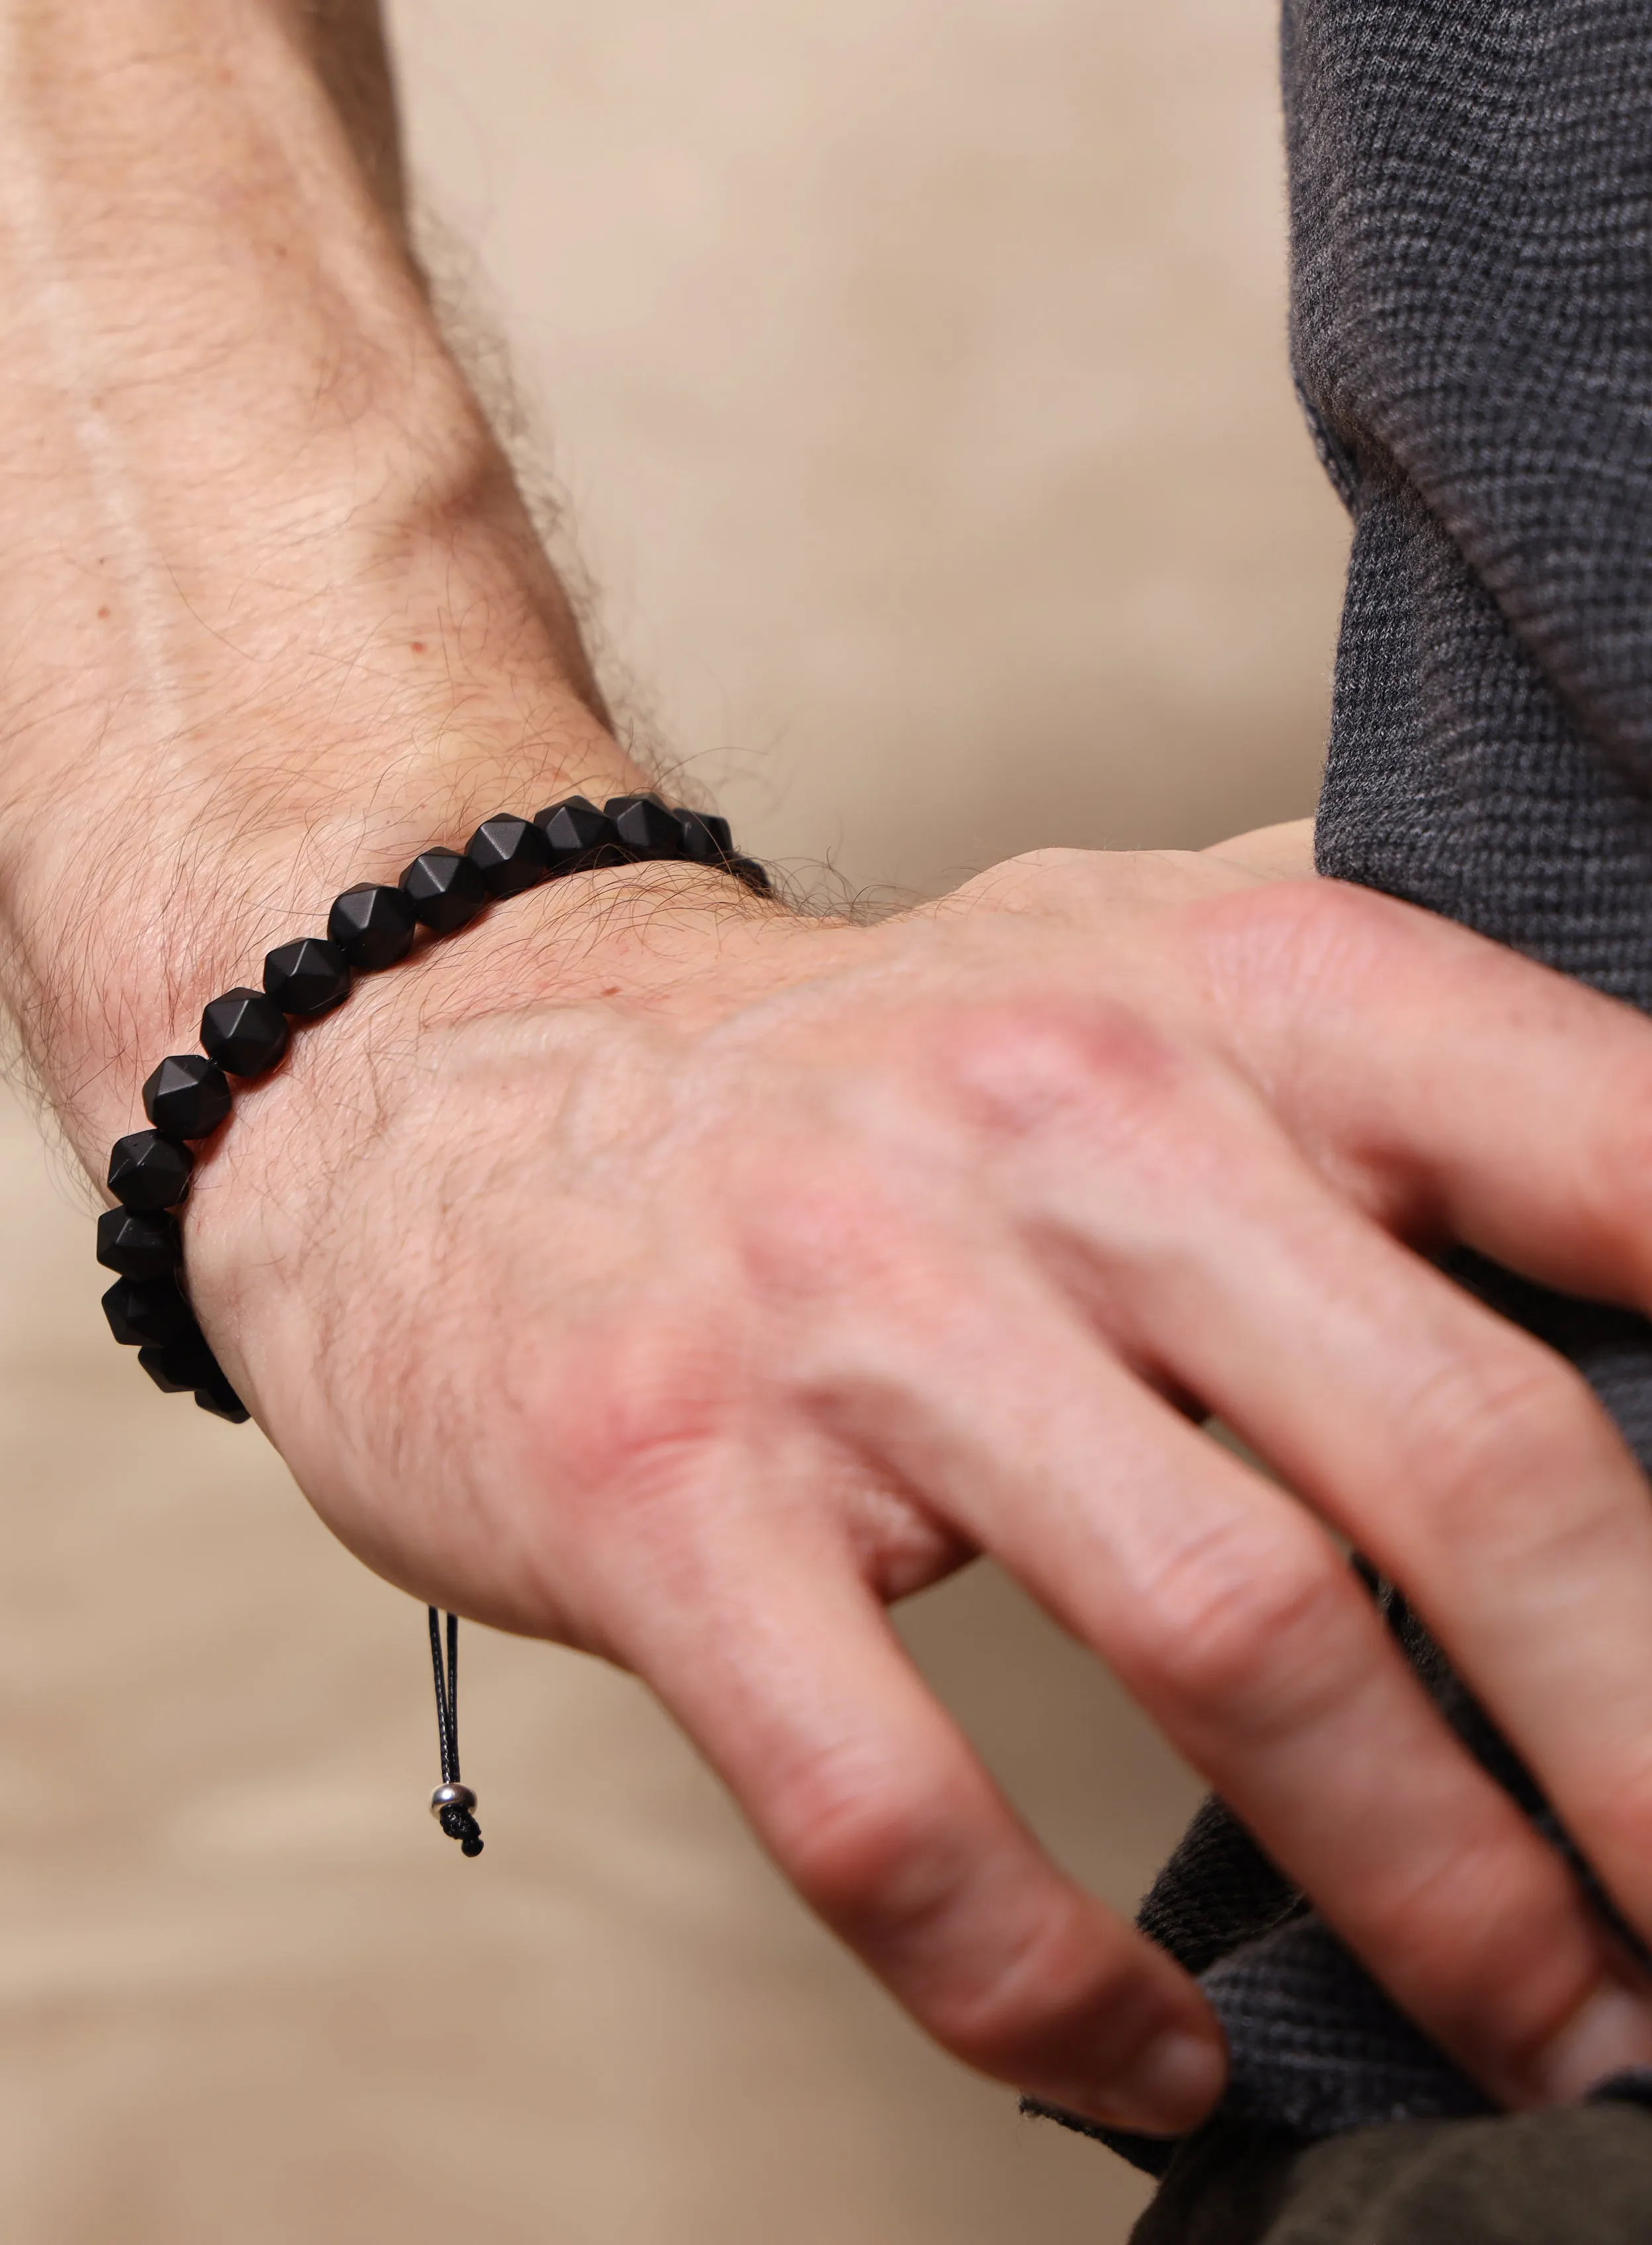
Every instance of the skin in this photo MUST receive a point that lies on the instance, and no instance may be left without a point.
(660, 1272)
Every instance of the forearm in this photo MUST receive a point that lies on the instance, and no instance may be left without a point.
(275, 616)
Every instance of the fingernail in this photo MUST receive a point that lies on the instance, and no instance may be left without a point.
(1168, 2089)
(1612, 2032)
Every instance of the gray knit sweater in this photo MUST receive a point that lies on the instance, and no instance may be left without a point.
(1472, 256)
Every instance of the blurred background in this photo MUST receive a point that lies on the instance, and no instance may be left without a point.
(913, 375)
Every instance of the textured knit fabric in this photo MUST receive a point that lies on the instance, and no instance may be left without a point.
(1579, 2177)
(1472, 246)
(1471, 207)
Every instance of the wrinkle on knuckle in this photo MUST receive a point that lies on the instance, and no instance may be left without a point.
(1244, 1628)
(1437, 1908)
(1038, 1980)
(905, 1872)
(1452, 1925)
(641, 1408)
(1509, 1452)
(1459, 1920)
(1337, 926)
(1294, 948)
(880, 1856)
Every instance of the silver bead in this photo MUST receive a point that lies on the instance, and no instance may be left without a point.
(451, 1796)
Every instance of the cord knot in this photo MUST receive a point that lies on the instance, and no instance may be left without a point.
(459, 1824)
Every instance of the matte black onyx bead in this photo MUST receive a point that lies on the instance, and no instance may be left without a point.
(139, 1246)
(308, 976)
(181, 1364)
(645, 827)
(220, 1399)
(148, 1170)
(755, 876)
(245, 1032)
(510, 854)
(141, 1311)
(579, 836)
(705, 839)
(372, 925)
(444, 890)
(188, 1097)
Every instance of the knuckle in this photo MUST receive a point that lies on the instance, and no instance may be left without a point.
(1451, 1923)
(876, 1855)
(1018, 1070)
(999, 1971)
(1488, 1940)
(1013, 1999)
(1307, 943)
(1338, 922)
(1244, 1625)
(1504, 1443)
(642, 1405)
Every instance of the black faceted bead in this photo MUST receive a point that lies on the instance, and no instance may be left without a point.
(755, 876)
(645, 827)
(372, 925)
(706, 838)
(244, 1032)
(139, 1246)
(308, 976)
(182, 1364)
(579, 836)
(141, 1311)
(444, 890)
(188, 1097)
(510, 854)
(149, 1172)
(220, 1399)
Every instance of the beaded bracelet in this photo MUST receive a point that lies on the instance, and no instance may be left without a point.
(246, 1033)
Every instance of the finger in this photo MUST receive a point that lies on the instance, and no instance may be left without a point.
(774, 1656)
(1284, 852)
(1230, 1615)
(1475, 1095)
(1470, 1463)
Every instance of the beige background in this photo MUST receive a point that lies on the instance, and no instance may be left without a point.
(915, 373)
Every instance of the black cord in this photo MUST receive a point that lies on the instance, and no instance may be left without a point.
(456, 1818)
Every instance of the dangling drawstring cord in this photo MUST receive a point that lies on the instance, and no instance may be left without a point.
(452, 1805)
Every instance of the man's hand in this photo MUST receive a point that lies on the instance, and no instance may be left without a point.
(654, 1270)
(658, 1273)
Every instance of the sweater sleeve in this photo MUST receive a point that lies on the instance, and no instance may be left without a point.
(1471, 330)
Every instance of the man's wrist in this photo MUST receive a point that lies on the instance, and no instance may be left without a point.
(116, 950)
(275, 616)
